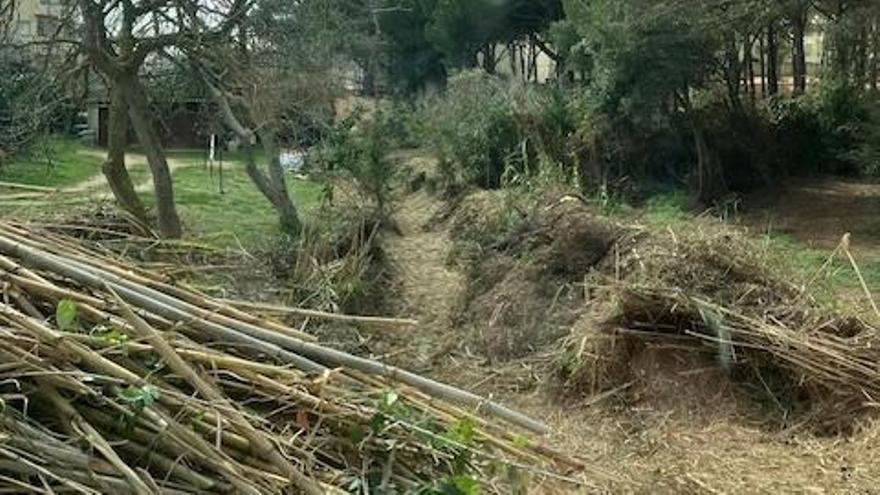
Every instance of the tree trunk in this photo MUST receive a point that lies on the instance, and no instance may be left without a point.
(860, 67)
(798, 53)
(511, 51)
(710, 179)
(273, 186)
(138, 108)
(762, 61)
(772, 61)
(114, 167)
(874, 64)
(733, 76)
(749, 67)
(280, 198)
(489, 60)
(533, 60)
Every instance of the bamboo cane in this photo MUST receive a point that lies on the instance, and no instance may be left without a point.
(303, 353)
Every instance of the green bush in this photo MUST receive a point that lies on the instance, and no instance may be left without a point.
(486, 129)
(867, 154)
(473, 129)
(821, 131)
(357, 149)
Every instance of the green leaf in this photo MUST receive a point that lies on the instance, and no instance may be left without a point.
(377, 422)
(521, 441)
(356, 433)
(389, 398)
(467, 485)
(460, 485)
(65, 314)
(111, 335)
(462, 431)
(139, 397)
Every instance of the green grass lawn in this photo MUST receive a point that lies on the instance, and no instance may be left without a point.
(238, 216)
(54, 162)
(240, 213)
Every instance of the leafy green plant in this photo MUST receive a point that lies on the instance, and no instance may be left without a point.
(828, 130)
(110, 335)
(139, 398)
(65, 314)
(453, 485)
(490, 133)
(473, 129)
(357, 149)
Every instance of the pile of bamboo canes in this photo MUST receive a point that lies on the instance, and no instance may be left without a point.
(114, 380)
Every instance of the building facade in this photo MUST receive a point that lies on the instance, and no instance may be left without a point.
(36, 20)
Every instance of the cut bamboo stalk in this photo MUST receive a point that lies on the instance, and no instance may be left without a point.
(28, 187)
(94, 437)
(261, 445)
(302, 354)
(322, 315)
(146, 280)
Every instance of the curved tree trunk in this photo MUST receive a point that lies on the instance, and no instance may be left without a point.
(138, 109)
(272, 185)
(114, 167)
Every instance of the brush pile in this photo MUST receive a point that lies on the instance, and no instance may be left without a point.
(114, 380)
(712, 290)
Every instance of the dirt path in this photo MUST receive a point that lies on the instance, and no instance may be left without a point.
(97, 181)
(427, 287)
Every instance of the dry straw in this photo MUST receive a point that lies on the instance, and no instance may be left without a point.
(115, 380)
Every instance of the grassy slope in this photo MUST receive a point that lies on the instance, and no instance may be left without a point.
(67, 167)
(241, 214)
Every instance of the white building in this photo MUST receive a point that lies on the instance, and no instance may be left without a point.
(34, 20)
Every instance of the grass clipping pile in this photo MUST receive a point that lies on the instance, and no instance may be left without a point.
(113, 380)
(711, 297)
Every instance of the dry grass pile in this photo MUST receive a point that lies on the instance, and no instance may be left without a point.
(114, 380)
(106, 229)
(101, 222)
(525, 268)
(711, 291)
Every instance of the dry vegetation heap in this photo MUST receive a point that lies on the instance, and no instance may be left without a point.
(114, 380)
(711, 290)
(616, 302)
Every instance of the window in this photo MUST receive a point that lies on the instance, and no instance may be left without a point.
(24, 28)
(46, 25)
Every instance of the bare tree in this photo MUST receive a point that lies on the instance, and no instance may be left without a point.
(264, 77)
(115, 43)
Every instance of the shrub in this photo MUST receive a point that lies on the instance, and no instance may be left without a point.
(486, 130)
(866, 155)
(473, 129)
(820, 131)
(357, 150)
